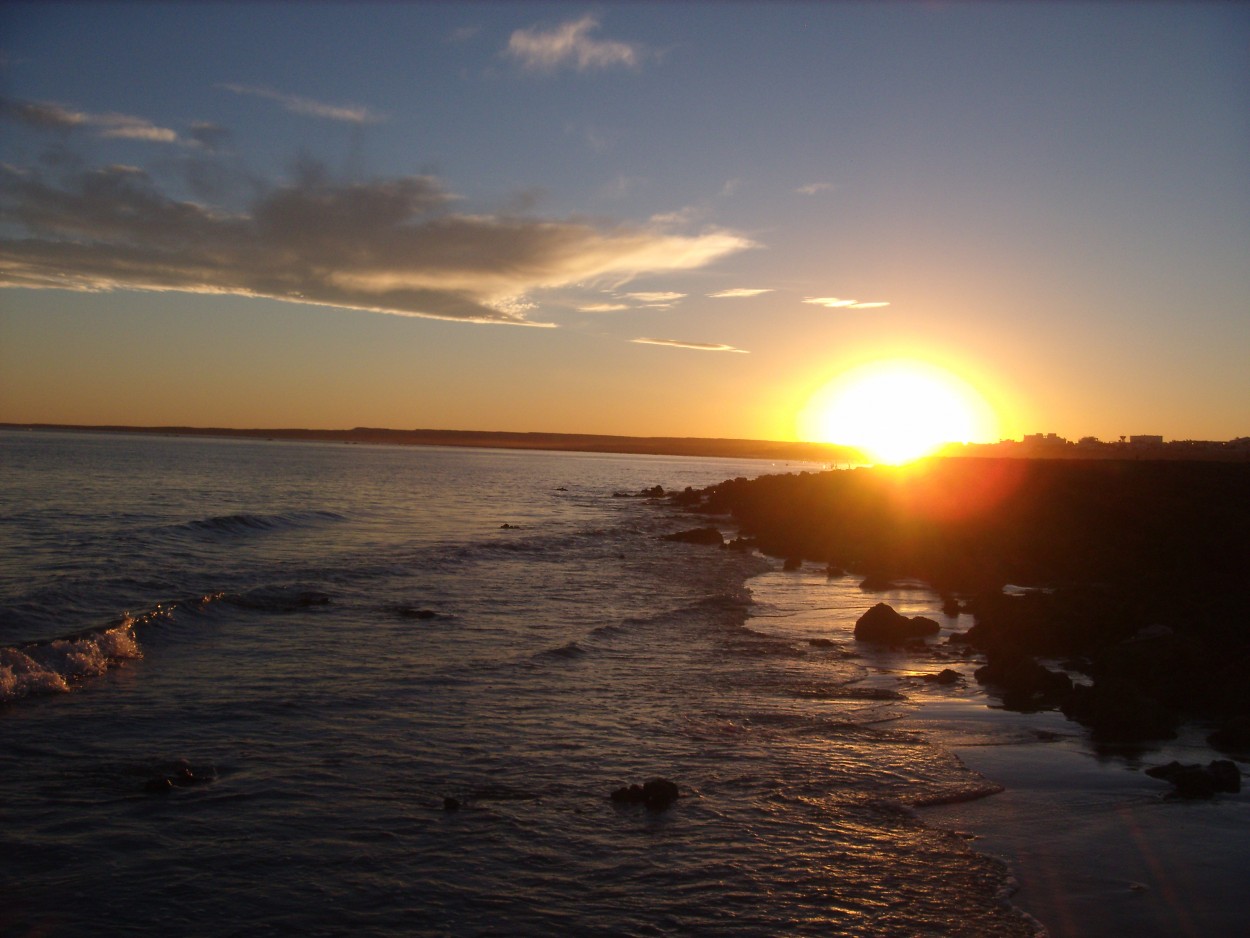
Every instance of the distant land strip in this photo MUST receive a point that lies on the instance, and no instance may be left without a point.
(491, 439)
(1038, 446)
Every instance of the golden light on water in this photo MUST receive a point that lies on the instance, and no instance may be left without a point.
(897, 410)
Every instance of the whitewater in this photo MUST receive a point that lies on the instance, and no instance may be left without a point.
(257, 687)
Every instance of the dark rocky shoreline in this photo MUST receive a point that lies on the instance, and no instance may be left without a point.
(1132, 575)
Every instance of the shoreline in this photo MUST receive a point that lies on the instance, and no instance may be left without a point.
(1129, 647)
(697, 447)
(1092, 845)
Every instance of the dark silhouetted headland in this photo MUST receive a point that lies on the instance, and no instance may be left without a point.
(1134, 572)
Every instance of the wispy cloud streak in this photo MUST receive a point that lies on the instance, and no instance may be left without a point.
(570, 44)
(697, 346)
(351, 114)
(666, 298)
(43, 115)
(833, 302)
(739, 292)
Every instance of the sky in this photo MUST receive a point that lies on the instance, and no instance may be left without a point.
(655, 219)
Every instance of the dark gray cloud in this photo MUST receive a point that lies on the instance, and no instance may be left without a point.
(387, 245)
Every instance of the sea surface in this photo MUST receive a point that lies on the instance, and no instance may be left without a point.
(241, 680)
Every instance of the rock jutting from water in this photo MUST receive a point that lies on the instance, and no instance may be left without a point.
(883, 624)
(656, 794)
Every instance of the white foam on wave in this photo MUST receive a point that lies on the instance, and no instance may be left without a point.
(53, 667)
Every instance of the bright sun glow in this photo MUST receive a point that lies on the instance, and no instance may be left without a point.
(898, 410)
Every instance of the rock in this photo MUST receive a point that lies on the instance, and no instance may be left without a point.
(821, 642)
(1233, 735)
(792, 563)
(656, 794)
(741, 543)
(945, 676)
(179, 775)
(451, 804)
(950, 607)
(833, 571)
(408, 612)
(875, 584)
(656, 491)
(883, 624)
(1024, 683)
(1226, 774)
(711, 536)
(1196, 781)
(1117, 711)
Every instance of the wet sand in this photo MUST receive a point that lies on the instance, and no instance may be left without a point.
(1097, 847)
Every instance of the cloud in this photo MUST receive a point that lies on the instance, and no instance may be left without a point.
(603, 308)
(47, 116)
(833, 302)
(656, 297)
(815, 188)
(209, 136)
(463, 34)
(388, 245)
(351, 114)
(738, 291)
(697, 346)
(569, 44)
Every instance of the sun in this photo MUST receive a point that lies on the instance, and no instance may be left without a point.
(897, 410)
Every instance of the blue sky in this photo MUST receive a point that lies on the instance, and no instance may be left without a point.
(653, 219)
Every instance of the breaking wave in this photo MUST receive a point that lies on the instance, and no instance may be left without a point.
(244, 523)
(54, 667)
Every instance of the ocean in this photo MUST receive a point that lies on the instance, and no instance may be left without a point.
(254, 688)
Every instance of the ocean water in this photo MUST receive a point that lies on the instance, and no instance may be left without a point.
(240, 678)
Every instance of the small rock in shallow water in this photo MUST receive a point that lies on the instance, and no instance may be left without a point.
(451, 804)
(657, 794)
(697, 536)
(884, 625)
(1197, 781)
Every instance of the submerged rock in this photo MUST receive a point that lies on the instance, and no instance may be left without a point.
(883, 624)
(656, 794)
(1117, 711)
(1024, 683)
(1232, 735)
(179, 774)
(945, 676)
(1198, 781)
(410, 612)
(711, 536)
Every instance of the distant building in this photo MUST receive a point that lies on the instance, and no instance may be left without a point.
(1145, 440)
(1044, 439)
